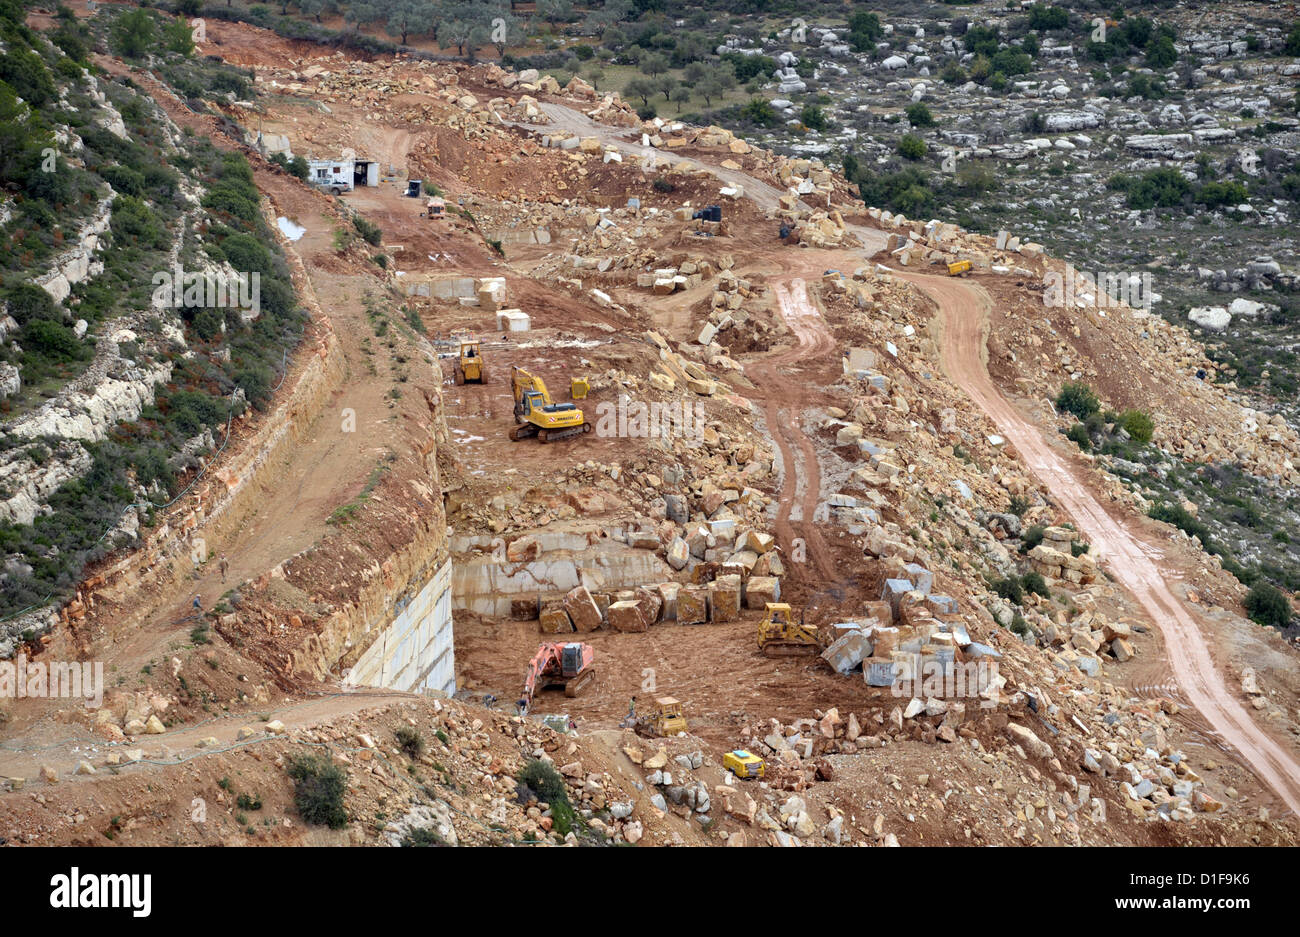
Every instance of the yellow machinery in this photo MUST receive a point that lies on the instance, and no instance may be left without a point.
(537, 415)
(743, 764)
(469, 363)
(665, 719)
(958, 267)
(779, 635)
(579, 388)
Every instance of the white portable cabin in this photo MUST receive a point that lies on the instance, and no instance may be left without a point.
(344, 173)
(337, 175)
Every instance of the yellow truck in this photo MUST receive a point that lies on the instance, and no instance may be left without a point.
(744, 764)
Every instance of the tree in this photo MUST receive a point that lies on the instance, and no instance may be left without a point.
(1044, 17)
(316, 8)
(654, 64)
(408, 16)
(1293, 41)
(642, 88)
(506, 33)
(178, 37)
(680, 95)
(759, 111)
(133, 33)
(555, 10)
(711, 88)
(695, 73)
(665, 85)
(363, 12)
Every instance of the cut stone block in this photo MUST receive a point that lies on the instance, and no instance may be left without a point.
(555, 620)
(760, 590)
(724, 598)
(583, 610)
(848, 651)
(668, 593)
(692, 605)
(626, 616)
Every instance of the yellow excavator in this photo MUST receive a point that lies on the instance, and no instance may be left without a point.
(469, 363)
(780, 636)
(537, 415)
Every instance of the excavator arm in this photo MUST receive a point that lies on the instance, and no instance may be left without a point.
(547, 655)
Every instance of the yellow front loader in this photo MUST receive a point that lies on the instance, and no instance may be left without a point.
(537, 415)
(469, 365)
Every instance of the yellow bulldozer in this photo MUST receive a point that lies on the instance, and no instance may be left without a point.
(537, 415)
(469, 365)
(780, 636)
(665, 720)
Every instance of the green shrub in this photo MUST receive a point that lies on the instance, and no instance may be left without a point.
(1010, 589)
(1035, 584)
(759, 111)
(1268, 605)
(370, 233)
(410, 741)
(1032, 537)
(424, 836)
(53, 341)
(27, 302)
(1078, 433)
(1137, 424)
(813, 117)
(1077, 399)
(542, 779)
(918, 115)
(319, 788)
(911, 147)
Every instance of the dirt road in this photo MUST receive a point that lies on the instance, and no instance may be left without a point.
(1133, 562)
(783, 402)
(765, 196)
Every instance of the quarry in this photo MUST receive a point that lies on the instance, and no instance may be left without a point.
(580, 479)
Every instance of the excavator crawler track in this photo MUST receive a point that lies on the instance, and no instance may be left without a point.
(579, 684)
(789, 649)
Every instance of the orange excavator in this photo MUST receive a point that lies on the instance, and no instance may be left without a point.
(567, 664)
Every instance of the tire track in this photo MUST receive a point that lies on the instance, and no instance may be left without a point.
(1133, 563)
